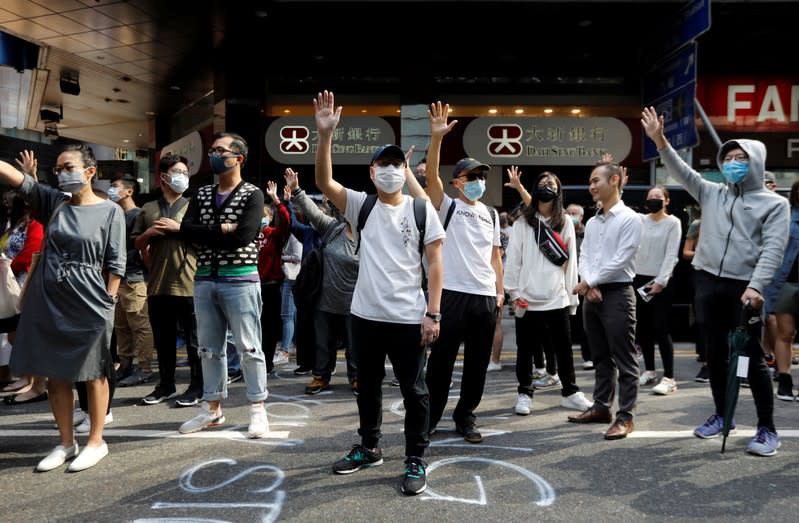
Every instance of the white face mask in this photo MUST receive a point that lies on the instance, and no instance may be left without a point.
(113, 194)
(177, 182)
(389, 179)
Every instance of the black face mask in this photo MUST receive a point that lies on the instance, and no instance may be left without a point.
(545, 194)
(654, 205)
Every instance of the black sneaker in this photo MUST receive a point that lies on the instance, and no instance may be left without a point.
(415, 481)
(234, 375)
(358, 458)
(745, 382)
(302, 370)
(469, 433)
(394, 382)
(189, 398)
(158, 395)
(123, 372)
(785, 387)
(703, 376)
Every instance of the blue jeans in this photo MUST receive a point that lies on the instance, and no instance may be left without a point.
(288, 313)
(233, 360)
(237, 306)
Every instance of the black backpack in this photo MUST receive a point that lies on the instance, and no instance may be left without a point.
(308, 285)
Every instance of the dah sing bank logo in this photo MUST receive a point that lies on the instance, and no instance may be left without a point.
(294, 139)
(505, 140)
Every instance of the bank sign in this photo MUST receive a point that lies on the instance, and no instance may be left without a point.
(750, 104)
(292, 140)
(546, 141)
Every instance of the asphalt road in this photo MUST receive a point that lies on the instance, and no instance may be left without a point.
(536, 467)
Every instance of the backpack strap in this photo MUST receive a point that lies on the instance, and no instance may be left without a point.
(449, 214)
(366, 208)
(420, 213)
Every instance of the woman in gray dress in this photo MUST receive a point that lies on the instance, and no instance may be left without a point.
(65, 327)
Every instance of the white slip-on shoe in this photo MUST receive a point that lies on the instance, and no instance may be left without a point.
(86, 425)
(88, 457)
(259, 425)
(57, 457)
(493, 366)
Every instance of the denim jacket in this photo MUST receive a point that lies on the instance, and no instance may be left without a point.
(791, 251)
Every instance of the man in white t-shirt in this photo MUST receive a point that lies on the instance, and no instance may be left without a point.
(389, 314)
(473, 289)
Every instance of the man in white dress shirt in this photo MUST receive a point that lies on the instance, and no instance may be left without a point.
(607, 269)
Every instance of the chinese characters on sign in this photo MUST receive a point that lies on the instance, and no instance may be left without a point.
(547, 141)
(292, 140)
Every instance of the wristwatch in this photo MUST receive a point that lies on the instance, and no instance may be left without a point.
(435, 316)
(114, 298)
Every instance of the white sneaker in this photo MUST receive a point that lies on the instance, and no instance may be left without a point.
(88, 457)
(86, 425)
(258, 422)
(576, 401)
(666, 386)
(588, 365)
(57, 457)
(648, 377)
(280, 357)
(539, 373)
(523, 404)
(205, 418)
(493, 366)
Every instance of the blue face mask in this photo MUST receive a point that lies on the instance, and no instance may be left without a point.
(735, 171)
(474, 190)
(264, 222)
(575, 220)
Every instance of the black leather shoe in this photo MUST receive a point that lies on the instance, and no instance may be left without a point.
(592, 415)
(469, 433)
(619, 429)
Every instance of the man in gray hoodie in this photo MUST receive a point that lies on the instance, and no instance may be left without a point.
(744, 231)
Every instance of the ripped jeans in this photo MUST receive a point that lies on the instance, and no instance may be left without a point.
(236, 305)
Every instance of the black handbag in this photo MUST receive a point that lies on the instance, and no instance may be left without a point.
(551, 244)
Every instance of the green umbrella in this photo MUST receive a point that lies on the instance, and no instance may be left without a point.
(743, 341)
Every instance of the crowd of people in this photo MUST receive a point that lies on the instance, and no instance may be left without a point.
(107, 283)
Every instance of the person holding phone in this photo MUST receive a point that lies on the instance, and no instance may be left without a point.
(654, 266)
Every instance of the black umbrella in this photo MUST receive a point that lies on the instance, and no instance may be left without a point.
(743, 341)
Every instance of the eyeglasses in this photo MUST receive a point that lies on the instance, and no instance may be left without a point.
(58, 169)
(474, 175)
(738, 158)
(219, 151)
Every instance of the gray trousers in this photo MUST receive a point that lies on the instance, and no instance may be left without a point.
(610, 328)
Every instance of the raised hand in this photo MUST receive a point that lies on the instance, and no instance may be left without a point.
(514, 178)
(438, 115)
(286, 193)
(271, 190)
(652, 123)
(292, 181)
(28, 163)
(326, 113)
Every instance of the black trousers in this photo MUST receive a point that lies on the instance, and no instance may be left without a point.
(373, 341)
(718, 311)
(167, 314)
(469, 319)
(653, 326)
(530, 329)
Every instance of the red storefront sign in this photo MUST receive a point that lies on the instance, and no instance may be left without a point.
(749, 104)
